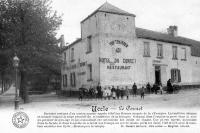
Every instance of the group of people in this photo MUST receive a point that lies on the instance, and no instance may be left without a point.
(111, 92)
(115, 93)
(159, 88)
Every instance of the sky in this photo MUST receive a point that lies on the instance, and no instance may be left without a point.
(155, 15)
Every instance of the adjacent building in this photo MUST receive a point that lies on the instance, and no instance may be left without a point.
(113, 51)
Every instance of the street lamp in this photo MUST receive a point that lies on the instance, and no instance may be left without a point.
(16, 65)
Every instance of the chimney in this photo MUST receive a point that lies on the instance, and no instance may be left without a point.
(173, 30)
(62, 41)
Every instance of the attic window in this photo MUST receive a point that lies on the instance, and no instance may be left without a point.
(127, 18)
(105, 14)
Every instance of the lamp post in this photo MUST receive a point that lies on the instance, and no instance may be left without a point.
(16, 65)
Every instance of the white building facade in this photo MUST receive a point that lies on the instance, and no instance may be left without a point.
(113, 51)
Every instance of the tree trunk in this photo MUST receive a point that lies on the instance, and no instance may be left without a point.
(23, 87)
(2, 82)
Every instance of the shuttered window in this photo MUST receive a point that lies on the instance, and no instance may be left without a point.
(89, 72)
(73, 79)
(64, 80)
(175, 75)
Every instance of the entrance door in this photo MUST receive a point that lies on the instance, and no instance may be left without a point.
(157, 75)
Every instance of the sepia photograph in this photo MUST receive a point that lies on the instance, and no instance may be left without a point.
(100, 66)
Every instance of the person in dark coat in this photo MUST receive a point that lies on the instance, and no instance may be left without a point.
(113, 91)
(122, 92)
(169, 86)
(134, 88)
(142, 92)
(99, 92)
(118, 92)
(81, 94)
(155, 88)
(148, 86)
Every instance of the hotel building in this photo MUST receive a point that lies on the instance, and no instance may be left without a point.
(113, 51)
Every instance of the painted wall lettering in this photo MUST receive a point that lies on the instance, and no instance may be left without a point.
(129, 60)
(119, 42)
(82, 64)
(108, 60)
(119, 67)
(81, 73)
(117, 60)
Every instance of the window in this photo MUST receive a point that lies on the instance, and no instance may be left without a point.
(89, 72)
(65, 56)
(175, 75)
(73, 79)
(159, 51)
(175, 51)
(72, 54)
(146, 49)
(64, 80)
(89, 44)
(183, 53)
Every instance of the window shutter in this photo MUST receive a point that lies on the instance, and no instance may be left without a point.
(71, 79)
(179, 76)
(66, 80)
(63, 80)
(74, 79)
(172, 76)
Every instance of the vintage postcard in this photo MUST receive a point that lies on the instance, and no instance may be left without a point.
(100, 66)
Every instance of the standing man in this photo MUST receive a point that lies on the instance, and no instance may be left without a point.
(169, 86)
(118, 92)
(148, 88)
(122, 92)
(113, 91)
(99, 93)
(142, 92)
(134, 88)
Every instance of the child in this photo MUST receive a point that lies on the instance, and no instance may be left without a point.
(161, 89)
(109, 93)
(105, 93)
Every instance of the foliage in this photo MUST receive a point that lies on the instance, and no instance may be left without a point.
(28, 29)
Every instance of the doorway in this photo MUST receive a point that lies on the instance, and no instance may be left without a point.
(157, 75)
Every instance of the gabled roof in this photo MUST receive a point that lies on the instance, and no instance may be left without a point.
(158, 36)
(109, 8)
